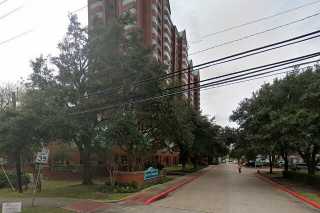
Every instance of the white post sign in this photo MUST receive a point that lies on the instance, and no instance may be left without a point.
(43, 156)
(11, 207)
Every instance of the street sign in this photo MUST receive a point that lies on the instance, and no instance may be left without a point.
(12, 207)
(43, 156)
(151, 173)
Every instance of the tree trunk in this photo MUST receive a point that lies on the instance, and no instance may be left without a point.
(286, 162)
(18, 172)
(310, 159)
(312, 165)
(195, 162)
(271, 163)
(86, 168)
(210, 160)
(183, 158)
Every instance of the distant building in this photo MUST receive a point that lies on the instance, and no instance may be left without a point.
(170, 46)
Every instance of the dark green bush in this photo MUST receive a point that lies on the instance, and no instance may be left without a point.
(126, 188)
(120, 188)
(13, 178)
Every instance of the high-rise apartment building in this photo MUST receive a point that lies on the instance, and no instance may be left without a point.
(169, 45)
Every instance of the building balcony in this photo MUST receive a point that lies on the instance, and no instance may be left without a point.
(184, 54)
(154, 32)
(156, 55)
(155, 20)
(166, 56)
(167, 20)
(155, 9)
(167, 39)
(167, 47)
(167, 29)
(166, 10)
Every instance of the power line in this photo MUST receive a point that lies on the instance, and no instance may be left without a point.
(213, 84)
(255, 34)
(214, 62)
(257, 78)
(256, 21)
(244, 81)
(79, 9)
(26, 32)
(16, 37)
(11, 12)
(235, 78)
(264, 67)
(218, 83)
(245, 76)
(263, 51)
(211, 63)
(4, 1)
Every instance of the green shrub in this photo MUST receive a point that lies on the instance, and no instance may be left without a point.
(13, 178)
(120, 188)
(126, 188)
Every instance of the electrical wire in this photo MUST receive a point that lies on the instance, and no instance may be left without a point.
(4, 1)
(223, 60)
(264, 67)
(215, 83)
(28, 31)
(255, 21)
(213, 62)
(263, 51)
(78, 10)
(255, 34)
(11, 12)
(244, 81)
(243, 77)
(17, 36)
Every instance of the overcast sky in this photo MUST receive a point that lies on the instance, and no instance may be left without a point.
(48, 21)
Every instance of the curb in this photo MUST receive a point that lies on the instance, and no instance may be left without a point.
(172, 189)
(289, 191)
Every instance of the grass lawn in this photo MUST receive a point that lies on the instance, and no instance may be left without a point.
(312, 196)
(72, 189)
(66, 189)
(298, 182)
(42, 210)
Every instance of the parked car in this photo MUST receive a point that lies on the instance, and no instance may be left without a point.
(299, 166)
(250, 163)
(280, 163)
(259, 163)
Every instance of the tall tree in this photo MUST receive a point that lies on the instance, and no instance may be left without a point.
(93, 72)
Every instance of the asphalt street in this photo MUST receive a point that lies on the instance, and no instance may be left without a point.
(223, 190)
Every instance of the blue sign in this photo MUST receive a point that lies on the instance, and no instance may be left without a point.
(151, 173)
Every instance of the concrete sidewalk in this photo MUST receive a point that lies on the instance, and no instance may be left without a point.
(41, 202)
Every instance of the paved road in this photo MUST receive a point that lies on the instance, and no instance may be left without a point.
(223, 190)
